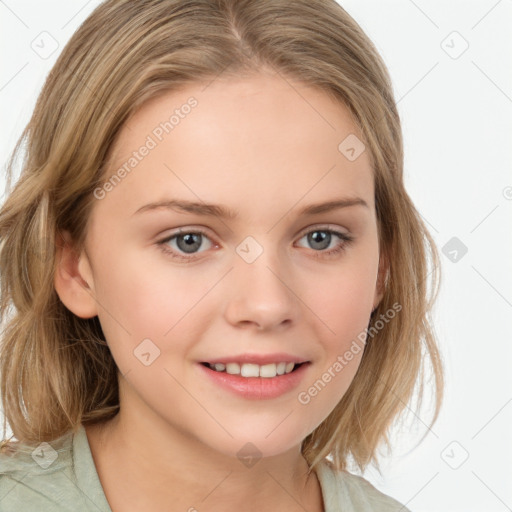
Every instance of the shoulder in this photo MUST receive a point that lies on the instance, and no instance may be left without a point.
(37, 477)
(348, 492)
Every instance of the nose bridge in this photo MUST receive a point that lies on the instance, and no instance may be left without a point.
(261, 292)
(260, 264)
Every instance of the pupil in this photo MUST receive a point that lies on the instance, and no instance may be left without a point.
(190, 239)
(319, 237)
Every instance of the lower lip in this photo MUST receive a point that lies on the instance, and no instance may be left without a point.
(257, 388)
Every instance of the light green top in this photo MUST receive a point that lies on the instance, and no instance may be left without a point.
(61, 476)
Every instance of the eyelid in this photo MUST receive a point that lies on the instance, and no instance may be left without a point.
(162, 242)
(320, 227)
(195, 230)
(206, 232)
(346, 240)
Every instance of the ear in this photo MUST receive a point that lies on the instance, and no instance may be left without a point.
(73, 278)
(382, 276)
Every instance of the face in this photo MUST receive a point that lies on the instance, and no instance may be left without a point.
(175, 287)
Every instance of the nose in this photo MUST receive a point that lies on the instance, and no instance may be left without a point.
(261, 294)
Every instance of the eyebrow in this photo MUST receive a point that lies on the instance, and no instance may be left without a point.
(215, 210)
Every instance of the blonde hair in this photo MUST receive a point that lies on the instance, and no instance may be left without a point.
(56, 369)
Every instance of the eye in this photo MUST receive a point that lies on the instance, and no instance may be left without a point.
(321, 238)
(183, 242)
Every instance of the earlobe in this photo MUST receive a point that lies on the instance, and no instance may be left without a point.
(73, 278)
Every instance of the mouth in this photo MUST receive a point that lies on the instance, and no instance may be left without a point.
(254, 382)
(266, 371)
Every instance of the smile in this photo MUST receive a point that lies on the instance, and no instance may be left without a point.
(254, 370)
(259, 382)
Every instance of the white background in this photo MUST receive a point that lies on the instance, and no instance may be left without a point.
(456, 112)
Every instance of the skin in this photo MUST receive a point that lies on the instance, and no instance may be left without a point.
(265, 149)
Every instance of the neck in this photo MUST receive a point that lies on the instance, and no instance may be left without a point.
(149, 465)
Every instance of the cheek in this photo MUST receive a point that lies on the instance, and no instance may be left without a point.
(144, 293)
(142, 301)
(343, 310)
(342, 302)
(343, 297)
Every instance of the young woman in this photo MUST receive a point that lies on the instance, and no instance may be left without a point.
(214, 285)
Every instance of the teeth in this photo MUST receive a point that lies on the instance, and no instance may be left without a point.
(281, 368)
(254, 370)
(289, 367)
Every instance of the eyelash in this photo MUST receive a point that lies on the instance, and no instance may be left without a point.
(346, 240)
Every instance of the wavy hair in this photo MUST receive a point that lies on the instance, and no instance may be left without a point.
(56, 369)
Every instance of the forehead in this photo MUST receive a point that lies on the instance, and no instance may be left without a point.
(245, 142)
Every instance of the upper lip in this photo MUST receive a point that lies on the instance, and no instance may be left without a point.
(259, 359)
